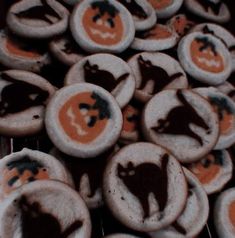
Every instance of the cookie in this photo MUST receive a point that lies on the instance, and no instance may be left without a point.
(17, 54)
(102, 26)
(224, 214)
(45, 209)
(216, 11)
(66, 50)
(83, 120)
(143, 13)
(225, 108)
(228, 89)
(37, 19)
(106, 71)
(159, 37)
(220, 32)
(120, 236)
(144, 187)
(183, 122)
(213, 171)
(205, 58)
(87, 175)
(195, 214)
(166, 8)
(28, 166)
(24, 96)
(155, 72)
(181, 24)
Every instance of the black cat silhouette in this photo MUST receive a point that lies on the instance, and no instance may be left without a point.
(20, 95)
(101, 78)
(207, 4)
(152, 72)
(146, 178)
(134, 8)
(179, 119)
(22, 165)
(38, 224)
(41, 12)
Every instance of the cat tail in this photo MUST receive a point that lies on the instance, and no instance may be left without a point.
(165, 159)
(69, 230)
(122, 77)
(175, 76)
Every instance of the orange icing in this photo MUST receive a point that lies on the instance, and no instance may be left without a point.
(181, 24)
(160, 32)
(74, 121)
(14, 49)
(128, 112)
(111, 35)
(232, 213)
(23, 179)
(160, 4)
(206, 59)
(205, 175)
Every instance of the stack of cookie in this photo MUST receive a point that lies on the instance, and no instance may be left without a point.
(133, 103)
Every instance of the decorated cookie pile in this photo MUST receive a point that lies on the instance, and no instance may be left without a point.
(117, 119)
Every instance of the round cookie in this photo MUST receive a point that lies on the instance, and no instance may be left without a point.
(83, 120)
(106, 71)
(205, 58)
(159, 37)
(120, 236)
(66, 50)
(27, 166)
(224, 214)
(16, 54)
(195, 214)
(24, 96)
(87, 175)
(225, 108)
(102, 26)
(213, 171)
(143, 13)
(183, 122)
(45, 209)
(166, 8)
(211, 10)
(181, 24)
(144, 187)
(155, 72)
(220, 32)
(38, 19)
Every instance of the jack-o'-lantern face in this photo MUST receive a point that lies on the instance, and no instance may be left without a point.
(14, 49)
(103, 23)
(205, 55)
(231, 213)
(20, 172)
(160, 4)
(84, 117)
(130, 116)
(207, 169)
(226, 114)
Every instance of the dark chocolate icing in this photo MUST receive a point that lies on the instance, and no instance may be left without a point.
(20, 95)
(206, 43)
(39, 12)
(134, 8)
(231, 93)
(101, 78)
(145, 33)
(158, 75)
(179, 119)
(146, 178)
(38, 224)
(207, 4)
(179, 228)
(218, 159)
(22, 165)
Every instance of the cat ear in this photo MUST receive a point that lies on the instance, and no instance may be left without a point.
(140, 59)
(130, 165)
(120, 167)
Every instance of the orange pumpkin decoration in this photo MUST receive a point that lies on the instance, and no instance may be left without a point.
(232, 213)
(103, 23)
(159, 32)
(160, 4)
(130, 115)
(206, 170)
(84, 117)
(182, 25)
(12, 48)
(205, 56)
